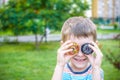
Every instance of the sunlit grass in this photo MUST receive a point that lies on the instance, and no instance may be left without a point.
(23, 62)
(108, 31)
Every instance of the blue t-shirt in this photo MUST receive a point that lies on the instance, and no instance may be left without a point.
(69, 74)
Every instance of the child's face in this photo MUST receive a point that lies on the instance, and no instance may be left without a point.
(80, 60)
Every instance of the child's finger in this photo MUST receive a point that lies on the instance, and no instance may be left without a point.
(98, 56)
(66, 43)
(67, 46)
(63, 52)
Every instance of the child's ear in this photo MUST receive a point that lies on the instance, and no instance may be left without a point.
(97, 42)
(61, 42)
(99, 45)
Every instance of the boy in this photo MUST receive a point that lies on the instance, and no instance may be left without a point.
(72, 63)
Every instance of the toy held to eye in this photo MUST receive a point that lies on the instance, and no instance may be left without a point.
(75, 48)
(86, 49)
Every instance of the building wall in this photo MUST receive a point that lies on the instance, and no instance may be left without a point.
(94, 8)
(105, 8)
(2, 2)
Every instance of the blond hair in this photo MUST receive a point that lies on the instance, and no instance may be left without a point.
(79, 27)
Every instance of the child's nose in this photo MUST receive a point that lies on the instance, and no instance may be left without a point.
(80, 54)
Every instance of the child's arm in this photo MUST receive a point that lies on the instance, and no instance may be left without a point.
(97, 74)
(62, 59)
(96, 61)
(57, 75)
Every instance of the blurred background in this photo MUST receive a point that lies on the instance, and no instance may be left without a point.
(30, 35)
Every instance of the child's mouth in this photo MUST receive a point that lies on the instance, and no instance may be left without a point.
(80, 60)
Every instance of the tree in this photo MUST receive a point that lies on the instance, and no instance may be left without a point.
(22, 16)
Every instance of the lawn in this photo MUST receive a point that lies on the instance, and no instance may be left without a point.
(23, 62)
(108, 31)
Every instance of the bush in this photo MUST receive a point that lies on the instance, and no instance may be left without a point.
(115, 25)
(111, 52)
(7, 40)
(114, 59)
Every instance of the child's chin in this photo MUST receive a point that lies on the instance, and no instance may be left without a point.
(80, 66)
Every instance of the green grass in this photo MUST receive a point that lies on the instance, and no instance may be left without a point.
(103, 31)
(23, 62)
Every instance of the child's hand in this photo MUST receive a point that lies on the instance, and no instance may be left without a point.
(62, 56)
(96, 59)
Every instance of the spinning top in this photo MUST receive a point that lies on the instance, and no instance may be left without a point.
(75, 48)
(86, 49)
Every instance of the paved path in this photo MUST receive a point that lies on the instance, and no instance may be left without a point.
(51, 37)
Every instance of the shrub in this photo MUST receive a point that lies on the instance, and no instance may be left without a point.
(115, 25)
(111, 52)
(114, 59)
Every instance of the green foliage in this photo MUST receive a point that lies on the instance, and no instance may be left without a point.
(114, 59)
(22, 16)
(116, 25)
(6, 40)
(112, 52)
